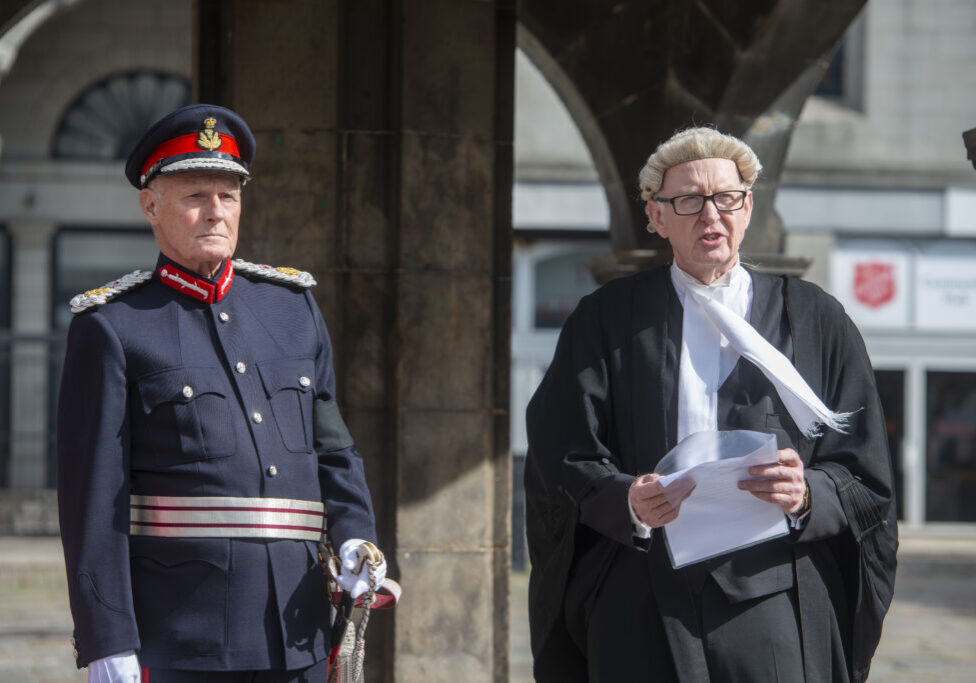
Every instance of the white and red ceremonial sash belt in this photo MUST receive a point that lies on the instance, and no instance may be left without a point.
(225, 517)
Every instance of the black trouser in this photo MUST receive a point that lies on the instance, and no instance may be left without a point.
(753, 640)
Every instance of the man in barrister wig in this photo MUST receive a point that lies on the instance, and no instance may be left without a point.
(707, 345)
(200, 448)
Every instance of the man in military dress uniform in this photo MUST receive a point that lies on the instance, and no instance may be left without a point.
(200, 447)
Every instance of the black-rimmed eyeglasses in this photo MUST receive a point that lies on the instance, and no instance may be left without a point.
(690, 204)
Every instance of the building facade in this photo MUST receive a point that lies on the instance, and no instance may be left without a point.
(877, 191)
(84, 85)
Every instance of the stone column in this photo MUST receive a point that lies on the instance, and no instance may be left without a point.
(384, 166)
(31, 315)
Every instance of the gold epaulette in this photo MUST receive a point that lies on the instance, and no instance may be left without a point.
(110, 290)
(283, 274)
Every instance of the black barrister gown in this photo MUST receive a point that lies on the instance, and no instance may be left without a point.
(605, 606)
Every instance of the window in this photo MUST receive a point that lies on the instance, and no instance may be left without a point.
(832, 83)
(5, 278)
(560, 282)
(6, 355)
(108, 118)
(843, 81)
(86, 258)
(891, 389)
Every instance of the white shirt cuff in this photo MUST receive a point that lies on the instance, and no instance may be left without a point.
(120, 668)
(798, 520)
(641, 530)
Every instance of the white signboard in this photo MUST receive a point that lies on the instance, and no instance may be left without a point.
(874, 286)
(945, 291)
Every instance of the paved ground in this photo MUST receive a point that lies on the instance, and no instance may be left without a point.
(930, 633)
(35, 628)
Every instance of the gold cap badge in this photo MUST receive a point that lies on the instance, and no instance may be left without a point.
(209, 138)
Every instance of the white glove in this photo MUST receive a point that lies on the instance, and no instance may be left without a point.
(351, 555)
(120, 668)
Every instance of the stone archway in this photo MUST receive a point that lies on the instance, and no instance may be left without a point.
(631, 73)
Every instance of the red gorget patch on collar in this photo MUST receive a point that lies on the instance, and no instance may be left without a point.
(192, 286)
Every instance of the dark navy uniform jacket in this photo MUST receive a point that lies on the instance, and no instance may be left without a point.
(249, 428)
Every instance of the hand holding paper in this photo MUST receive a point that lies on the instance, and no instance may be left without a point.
(719, 516)
(780, 482)
(653, 503)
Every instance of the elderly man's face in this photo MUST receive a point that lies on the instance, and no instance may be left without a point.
(706, 244)
(194, 217)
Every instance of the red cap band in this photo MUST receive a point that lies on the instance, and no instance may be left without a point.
(187, 144)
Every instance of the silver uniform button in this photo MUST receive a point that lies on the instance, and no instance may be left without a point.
(257, 418)
(304, 381)
(223, 317)
(188, 391)
(272, 471)
(240, 367)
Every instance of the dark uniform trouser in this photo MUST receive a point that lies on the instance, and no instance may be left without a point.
(317, 673)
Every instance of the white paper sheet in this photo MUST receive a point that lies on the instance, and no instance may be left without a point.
(718, 517)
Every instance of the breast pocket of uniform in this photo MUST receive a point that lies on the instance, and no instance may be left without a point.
(288, 385)
(185, 416)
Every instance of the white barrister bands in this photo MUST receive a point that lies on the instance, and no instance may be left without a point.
(226, 517)
(702, 302)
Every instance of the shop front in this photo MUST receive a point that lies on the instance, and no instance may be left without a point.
(915, 304)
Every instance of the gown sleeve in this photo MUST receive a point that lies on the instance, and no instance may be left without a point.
(839, 364)
(571, 467)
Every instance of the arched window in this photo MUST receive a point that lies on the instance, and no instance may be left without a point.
(108, 118)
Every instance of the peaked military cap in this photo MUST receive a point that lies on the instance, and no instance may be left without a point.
(198, 137)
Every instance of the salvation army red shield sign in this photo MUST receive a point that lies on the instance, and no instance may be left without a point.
(874, 283)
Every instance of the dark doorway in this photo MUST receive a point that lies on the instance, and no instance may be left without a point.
(950, 416)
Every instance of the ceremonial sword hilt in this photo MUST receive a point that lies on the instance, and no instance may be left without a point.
(367, 552)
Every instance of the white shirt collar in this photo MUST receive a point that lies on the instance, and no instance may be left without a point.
(733, 288)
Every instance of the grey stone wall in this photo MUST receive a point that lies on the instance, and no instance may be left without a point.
(918, 94)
